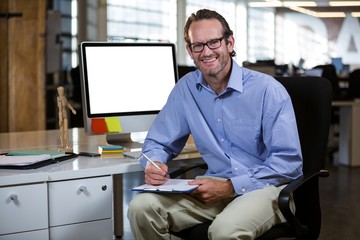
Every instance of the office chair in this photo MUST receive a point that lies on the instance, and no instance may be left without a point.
(329, 72)
(311, 97)
(354, 83)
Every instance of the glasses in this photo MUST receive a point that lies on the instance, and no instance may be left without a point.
(212, 44)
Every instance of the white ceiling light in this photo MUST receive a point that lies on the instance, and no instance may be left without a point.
(277, 3)
(344, 3)
(319, 14)
(266, 4)
(299, 3)
(299, 6)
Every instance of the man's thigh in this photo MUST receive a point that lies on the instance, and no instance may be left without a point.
(180, 211)
(249, 215)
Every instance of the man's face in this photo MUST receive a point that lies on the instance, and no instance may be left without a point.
(210, 61)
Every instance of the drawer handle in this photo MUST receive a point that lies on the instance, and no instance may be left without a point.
(104, 187)
(14, 197)
(82, 189)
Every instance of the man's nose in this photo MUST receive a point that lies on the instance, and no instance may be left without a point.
(206, 50)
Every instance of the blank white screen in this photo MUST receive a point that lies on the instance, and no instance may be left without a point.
(129, 78)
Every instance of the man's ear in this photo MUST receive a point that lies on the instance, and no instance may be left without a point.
(189, 52)
(231, 43)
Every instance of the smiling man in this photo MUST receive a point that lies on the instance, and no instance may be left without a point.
(244, 127)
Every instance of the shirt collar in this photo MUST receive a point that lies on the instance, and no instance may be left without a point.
(235, 81)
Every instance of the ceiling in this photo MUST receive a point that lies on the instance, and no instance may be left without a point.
(317, 8)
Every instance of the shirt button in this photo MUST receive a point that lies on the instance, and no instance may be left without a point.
(236, 169)
(222, 140)
(219, 120)
(243, 190)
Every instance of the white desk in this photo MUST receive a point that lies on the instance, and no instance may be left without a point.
(73, 199)
(349, 138)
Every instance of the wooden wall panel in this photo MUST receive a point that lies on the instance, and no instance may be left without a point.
(26, 74)
(3, 68)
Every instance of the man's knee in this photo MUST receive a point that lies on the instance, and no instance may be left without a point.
(227, 229)
(141, 205)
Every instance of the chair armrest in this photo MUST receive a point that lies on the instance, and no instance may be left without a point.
(185, 169)
(285, 196)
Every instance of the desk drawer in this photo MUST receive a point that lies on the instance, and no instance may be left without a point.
(97, 230)
(80, 200)
(33, 235)
(23, 208)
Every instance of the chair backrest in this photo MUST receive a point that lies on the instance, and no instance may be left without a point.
(354, 83)
(329, 72)
(311, 97)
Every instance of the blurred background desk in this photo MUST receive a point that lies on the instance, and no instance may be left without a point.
(349, 138)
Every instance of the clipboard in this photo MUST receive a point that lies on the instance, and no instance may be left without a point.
(171, 186)
(32, 161)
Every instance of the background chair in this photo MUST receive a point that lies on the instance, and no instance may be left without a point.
(354, 83)
(311, 97)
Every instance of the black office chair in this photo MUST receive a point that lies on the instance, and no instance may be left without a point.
(311, 97)
(354, 83)
(329, 72)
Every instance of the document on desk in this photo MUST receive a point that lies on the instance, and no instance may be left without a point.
(32, 159)
(171, 186)
(22, 160)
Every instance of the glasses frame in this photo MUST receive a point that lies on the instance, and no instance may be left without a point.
(207, 44)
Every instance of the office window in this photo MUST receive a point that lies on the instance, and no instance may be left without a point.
(68, 31)
(141, 20)
(261, 36)
(295, 40)
(224, 7)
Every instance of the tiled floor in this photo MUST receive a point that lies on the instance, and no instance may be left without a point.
(340, 201)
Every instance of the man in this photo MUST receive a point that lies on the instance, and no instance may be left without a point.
(244, 127)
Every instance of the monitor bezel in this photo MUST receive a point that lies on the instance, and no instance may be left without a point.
(125, 117)
(84, 75)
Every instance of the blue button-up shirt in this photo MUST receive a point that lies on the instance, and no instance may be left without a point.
(247, 134)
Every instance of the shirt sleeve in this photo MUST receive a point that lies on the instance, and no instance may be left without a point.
(283, 158)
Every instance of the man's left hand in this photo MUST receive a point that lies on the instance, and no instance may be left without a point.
(212, 190)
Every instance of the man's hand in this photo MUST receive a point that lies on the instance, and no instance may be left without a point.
(155, 176)
(212, 190)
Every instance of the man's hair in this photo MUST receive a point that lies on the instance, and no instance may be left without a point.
(208, 14)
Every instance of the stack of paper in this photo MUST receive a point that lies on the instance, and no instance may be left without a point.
(22, 160)
(31, 152)
(171, 186)
(110, 150)
(32, 158)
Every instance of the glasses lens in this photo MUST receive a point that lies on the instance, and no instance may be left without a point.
(214, 43)
(197, 47)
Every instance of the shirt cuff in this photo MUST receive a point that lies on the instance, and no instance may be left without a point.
(156, 158)
(244, 184)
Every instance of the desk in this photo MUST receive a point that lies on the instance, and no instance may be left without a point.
(349, 138)
(74, 199)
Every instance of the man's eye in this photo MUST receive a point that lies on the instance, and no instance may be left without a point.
(213, 42)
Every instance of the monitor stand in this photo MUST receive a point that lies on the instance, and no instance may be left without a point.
(123, 139)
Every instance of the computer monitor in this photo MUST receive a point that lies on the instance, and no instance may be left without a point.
(124, 86)
(338, 64)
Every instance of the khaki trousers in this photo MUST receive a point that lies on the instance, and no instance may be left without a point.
(153, 215)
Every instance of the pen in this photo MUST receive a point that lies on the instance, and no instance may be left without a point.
(155, 165)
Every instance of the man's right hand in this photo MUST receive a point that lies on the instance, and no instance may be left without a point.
(155, 176)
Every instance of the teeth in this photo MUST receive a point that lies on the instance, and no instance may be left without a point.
(209, 60)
